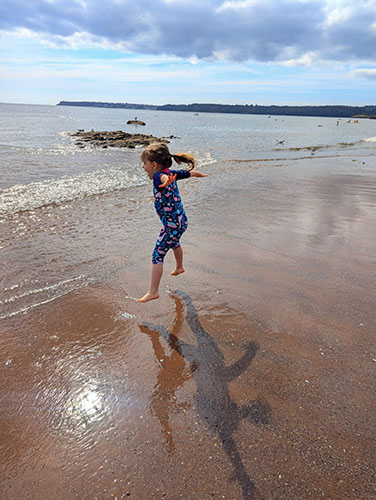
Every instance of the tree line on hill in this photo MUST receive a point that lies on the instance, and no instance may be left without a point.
(336, 111)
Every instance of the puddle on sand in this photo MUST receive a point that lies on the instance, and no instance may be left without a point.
(93, 396)
(66, 386)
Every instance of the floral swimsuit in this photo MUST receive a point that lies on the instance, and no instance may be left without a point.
(167, 203)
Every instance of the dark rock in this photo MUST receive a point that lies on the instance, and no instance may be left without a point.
(115, 139)
(135, 122)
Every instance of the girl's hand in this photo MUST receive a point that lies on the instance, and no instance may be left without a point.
(195, 173)
(169, 179)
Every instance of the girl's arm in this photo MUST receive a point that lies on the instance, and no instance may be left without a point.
(166, 180)
(195, 173)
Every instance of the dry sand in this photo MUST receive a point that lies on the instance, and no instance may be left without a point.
(255, 381)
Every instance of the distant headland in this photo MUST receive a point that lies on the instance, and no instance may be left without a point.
(335, 111)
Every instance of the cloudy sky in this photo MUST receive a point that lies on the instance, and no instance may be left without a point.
(182, 51)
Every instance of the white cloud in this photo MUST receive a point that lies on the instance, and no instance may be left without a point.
(337, 12)
(237, 5)
(305, 60)
(286, 31)
(368, 73)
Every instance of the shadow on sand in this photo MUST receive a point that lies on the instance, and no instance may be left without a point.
(212, 399)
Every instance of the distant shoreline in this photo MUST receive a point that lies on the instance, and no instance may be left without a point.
(333, 111)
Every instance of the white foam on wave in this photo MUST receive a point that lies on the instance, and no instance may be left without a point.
(34, 195)
(22, 197)
(40, 290)
(207, 159)
(370, 139)
(32, 306)
(46, 294)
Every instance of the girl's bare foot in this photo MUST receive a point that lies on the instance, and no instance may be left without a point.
(177, 271)
(149, 296)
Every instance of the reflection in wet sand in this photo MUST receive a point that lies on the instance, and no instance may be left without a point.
(172, 375)
(213, 401)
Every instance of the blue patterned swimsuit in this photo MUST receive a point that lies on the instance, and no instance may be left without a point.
(167, 203)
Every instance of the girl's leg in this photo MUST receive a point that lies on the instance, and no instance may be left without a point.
(179, 269)
(156, 275)
(159, 251)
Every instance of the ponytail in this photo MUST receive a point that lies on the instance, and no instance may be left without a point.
(185, 158)
(160, 153)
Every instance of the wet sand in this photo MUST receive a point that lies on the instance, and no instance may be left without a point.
(252, 377)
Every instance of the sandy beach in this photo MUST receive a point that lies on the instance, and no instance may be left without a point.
(252, 377)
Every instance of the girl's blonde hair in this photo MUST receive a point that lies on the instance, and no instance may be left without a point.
(159, 152)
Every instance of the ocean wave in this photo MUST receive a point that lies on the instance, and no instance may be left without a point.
(22, 197)
(304, 148)
(202, 161)
(328, 146)
(36, 297)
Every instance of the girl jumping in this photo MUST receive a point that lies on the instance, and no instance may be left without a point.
(157, 161)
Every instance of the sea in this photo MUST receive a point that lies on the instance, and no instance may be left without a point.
(41, 165)
(71, 216)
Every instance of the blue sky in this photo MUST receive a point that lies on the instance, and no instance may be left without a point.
(183, 51)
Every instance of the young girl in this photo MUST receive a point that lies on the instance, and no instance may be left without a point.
(157, 160)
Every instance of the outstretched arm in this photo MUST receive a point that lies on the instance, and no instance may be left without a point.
(173, 341)
(166, 180)
(242, 364)
(195, 173)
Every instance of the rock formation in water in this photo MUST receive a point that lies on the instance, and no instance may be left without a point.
(135, 122)
(116, 139)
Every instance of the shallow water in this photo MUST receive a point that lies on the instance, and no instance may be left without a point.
(236, 387)
(35, 145)
(41, 165)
